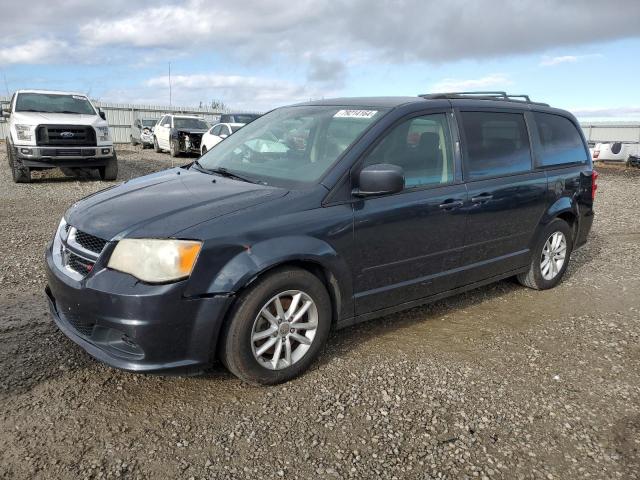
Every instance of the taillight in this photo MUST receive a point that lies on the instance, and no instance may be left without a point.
(594, 184)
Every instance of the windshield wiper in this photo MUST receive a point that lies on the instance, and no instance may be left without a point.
(223, 172)
(200, 168)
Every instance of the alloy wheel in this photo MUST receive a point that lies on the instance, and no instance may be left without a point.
(553, 256)
(284, 329)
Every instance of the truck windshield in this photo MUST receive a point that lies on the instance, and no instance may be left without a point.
(53, 103)
(291, 146)
(189, 123)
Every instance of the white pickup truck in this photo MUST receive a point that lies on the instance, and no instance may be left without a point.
(49, 129)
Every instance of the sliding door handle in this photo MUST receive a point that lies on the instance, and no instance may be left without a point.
(485, 197)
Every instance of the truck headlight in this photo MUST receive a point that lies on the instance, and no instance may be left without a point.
(24, 132)
(154, 260)
(103, 134)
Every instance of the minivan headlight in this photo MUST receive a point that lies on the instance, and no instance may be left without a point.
(103, 134)
(24, 132)
(155, 260)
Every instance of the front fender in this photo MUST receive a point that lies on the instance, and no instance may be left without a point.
(252, 260)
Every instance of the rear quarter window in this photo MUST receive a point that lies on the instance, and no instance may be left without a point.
(560, 141)
(496, 144)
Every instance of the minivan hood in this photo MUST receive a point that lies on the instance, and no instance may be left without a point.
(37, 118)
(164, 203)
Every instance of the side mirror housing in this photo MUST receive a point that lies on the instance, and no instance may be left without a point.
(102, 114)
(380, 179)
(223, 135)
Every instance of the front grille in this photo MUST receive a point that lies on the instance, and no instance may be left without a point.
(68, 152)
(63, 135)
(83, 327)
(90, 242)
(79, 264)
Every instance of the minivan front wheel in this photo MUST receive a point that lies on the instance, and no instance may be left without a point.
(277, 327)
(550, 257)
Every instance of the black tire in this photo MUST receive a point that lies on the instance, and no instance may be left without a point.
(156, 147)
(534, 277)
(616, 148)
(110, 171)
(19, 173)
(236, 346)
(173, 149)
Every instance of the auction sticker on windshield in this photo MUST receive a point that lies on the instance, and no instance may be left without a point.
(355, 113)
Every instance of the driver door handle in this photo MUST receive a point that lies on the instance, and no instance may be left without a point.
(451, 204)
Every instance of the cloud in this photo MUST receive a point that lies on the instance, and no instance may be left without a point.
(394, 30)
(607, 112)
(553, 61)
(242, 91)
(331, 72)
(33, 52)
(460, 85)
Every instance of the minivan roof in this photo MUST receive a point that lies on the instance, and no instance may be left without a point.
(392, 102)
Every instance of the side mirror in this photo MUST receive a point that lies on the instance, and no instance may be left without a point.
(4, 113)
(380, 179)
(223, 135)
(102, 114)
(167, 125)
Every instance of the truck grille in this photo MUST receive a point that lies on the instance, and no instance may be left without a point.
(63, 135)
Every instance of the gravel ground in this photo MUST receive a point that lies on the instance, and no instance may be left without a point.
(502, 382)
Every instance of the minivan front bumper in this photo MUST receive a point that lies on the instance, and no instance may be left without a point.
(134, 326)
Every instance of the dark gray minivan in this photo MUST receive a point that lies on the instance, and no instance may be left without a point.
(318, 216)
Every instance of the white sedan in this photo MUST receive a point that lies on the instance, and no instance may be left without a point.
(216, 134)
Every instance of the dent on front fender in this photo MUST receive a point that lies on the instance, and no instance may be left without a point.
(252, 260)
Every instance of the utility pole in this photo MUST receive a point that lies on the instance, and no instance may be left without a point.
(169, 83)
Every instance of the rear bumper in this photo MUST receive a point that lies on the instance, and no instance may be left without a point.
(134, 326)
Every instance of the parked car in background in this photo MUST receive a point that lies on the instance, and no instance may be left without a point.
(616, 151)
(142, 131)
(252, 253)
(49, 129)
(179, 134)
(216, 134)
(243, 118)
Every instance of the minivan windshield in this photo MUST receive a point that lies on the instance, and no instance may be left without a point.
(182, 122)
(53, 103)
(291, 146)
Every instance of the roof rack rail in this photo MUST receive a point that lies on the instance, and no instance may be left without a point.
(480, 95)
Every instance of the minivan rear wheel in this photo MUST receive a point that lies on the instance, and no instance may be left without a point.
(550, 257)
(277, 327)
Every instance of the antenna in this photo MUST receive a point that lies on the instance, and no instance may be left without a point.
(169, 83)
(6, 85)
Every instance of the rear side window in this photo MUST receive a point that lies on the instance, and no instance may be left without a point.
(496, 144)
(560, 141)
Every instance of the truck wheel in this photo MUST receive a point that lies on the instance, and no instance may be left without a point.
(173, 149)
(156, 147)
(110, 171)
(550, 257)
(277, 327)
(19, 173)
